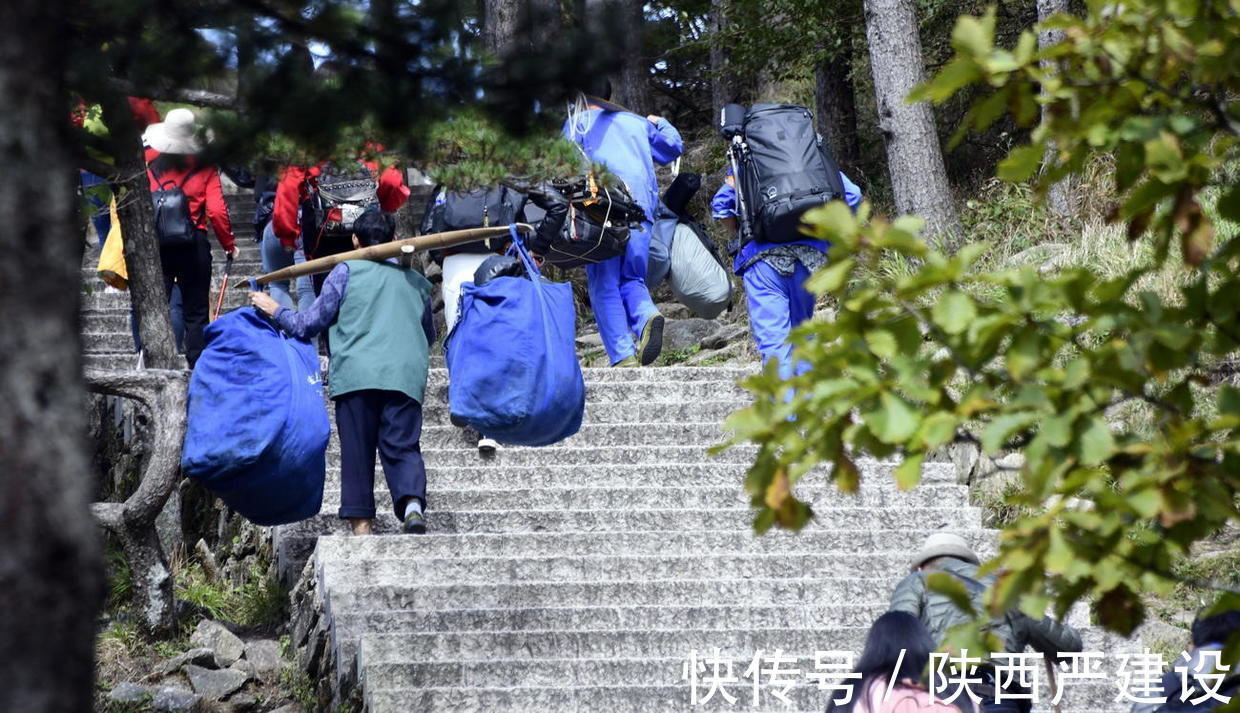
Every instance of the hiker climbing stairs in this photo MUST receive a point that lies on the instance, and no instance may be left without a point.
(586, 576)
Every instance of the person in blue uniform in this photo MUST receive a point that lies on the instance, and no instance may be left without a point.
(629, 146)
(774, 277)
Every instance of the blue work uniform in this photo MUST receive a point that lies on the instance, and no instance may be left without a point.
(629, 146)
(774, 277)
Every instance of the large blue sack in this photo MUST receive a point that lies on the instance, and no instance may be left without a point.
(512, 359)
(258, 430)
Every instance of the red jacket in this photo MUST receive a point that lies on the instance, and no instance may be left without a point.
(206, 196)
(297, 182)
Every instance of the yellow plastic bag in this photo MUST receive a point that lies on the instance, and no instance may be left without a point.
(112, 259)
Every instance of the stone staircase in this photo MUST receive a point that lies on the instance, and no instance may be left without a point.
(585, 575)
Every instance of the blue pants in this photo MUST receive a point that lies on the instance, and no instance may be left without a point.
(619, 297)
(275, 258)
(176, 311)
(776, 305)
(391, 422)
(101, 218)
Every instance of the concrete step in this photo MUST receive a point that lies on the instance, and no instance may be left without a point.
(712, 589)
(644, 698)
(340, 576)
(571, 466)
(822, 497)
(514, 522)
(654, 433)
(674, 615)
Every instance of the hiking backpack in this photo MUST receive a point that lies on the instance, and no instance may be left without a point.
(344, 193)
(785, 169)
(482, 208)
(173, 224)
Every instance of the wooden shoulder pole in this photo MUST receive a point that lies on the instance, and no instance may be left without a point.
(435, 241)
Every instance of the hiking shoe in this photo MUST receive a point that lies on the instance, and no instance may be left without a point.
(456, 420)
(651, 342)
(414, 524)
(361, 526)
(629, 361)
(487, 446)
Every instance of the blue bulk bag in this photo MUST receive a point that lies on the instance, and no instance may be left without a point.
(258, 430)
(512, 361)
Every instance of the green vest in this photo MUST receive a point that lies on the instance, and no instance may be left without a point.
(377, 339)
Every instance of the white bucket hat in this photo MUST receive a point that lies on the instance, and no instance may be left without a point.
(943, 544)
(175, 134)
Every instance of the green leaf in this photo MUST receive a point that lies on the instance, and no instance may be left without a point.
(830, 278)
(937, 429)
(952, 588)
(958, 73)
(1229, 204)
(908, 473)
(894, 421)
(1129, 163)
(953, 312)
(1095, 444)
(1001, 429)
(1025, 354)
(973, 36)
(882, 343)
(1057, 430)
(1020, 163)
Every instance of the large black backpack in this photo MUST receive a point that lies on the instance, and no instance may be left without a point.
(482, 208)
(344, 192)
(173, 223)
(786, 169)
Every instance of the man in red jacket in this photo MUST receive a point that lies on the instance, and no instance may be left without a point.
(172, 163)
(300, 227)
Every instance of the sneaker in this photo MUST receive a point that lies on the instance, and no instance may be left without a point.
(487, 446)
(361, 525)
(414, 524)
(651, 342)
(628, 361)
(456, 420)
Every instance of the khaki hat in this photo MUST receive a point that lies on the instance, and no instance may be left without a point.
(176, 134)
(943, 544)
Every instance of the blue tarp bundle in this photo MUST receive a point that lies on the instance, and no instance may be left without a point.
(258, 430)
(512, 360)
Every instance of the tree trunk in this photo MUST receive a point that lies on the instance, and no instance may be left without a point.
(914, 158)
(623, 23)
(837, 110)
(1059, 197)
(133, 207)
(50, 562)
(499, 25)
(723, 84)
(162, 393)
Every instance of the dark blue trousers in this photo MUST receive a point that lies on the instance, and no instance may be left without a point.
(390, 422)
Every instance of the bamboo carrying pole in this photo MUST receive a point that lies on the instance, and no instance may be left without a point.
(385, 251)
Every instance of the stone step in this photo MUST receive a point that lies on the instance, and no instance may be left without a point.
(480, 472)
(513, 522)
(645, 698)
(342, 575)
(654, 433)
(712, 589)
(578, 456)
(674, 615)
(822, 497)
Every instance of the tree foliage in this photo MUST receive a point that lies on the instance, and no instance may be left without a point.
(1046, 364)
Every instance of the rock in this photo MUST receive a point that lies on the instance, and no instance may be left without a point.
(290, 708)
(130, 693)
(264, 656)
(680, 334)
(198, 657)
(242, 702)
(245, 667)
(674, 310)
(590, 341)
(723, 336)
(212, 635)
(215, 685)
(176, 700)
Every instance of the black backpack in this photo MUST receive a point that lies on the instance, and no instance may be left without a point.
(482, 208)
(344, 193)
(785, 168)
(173, 224)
